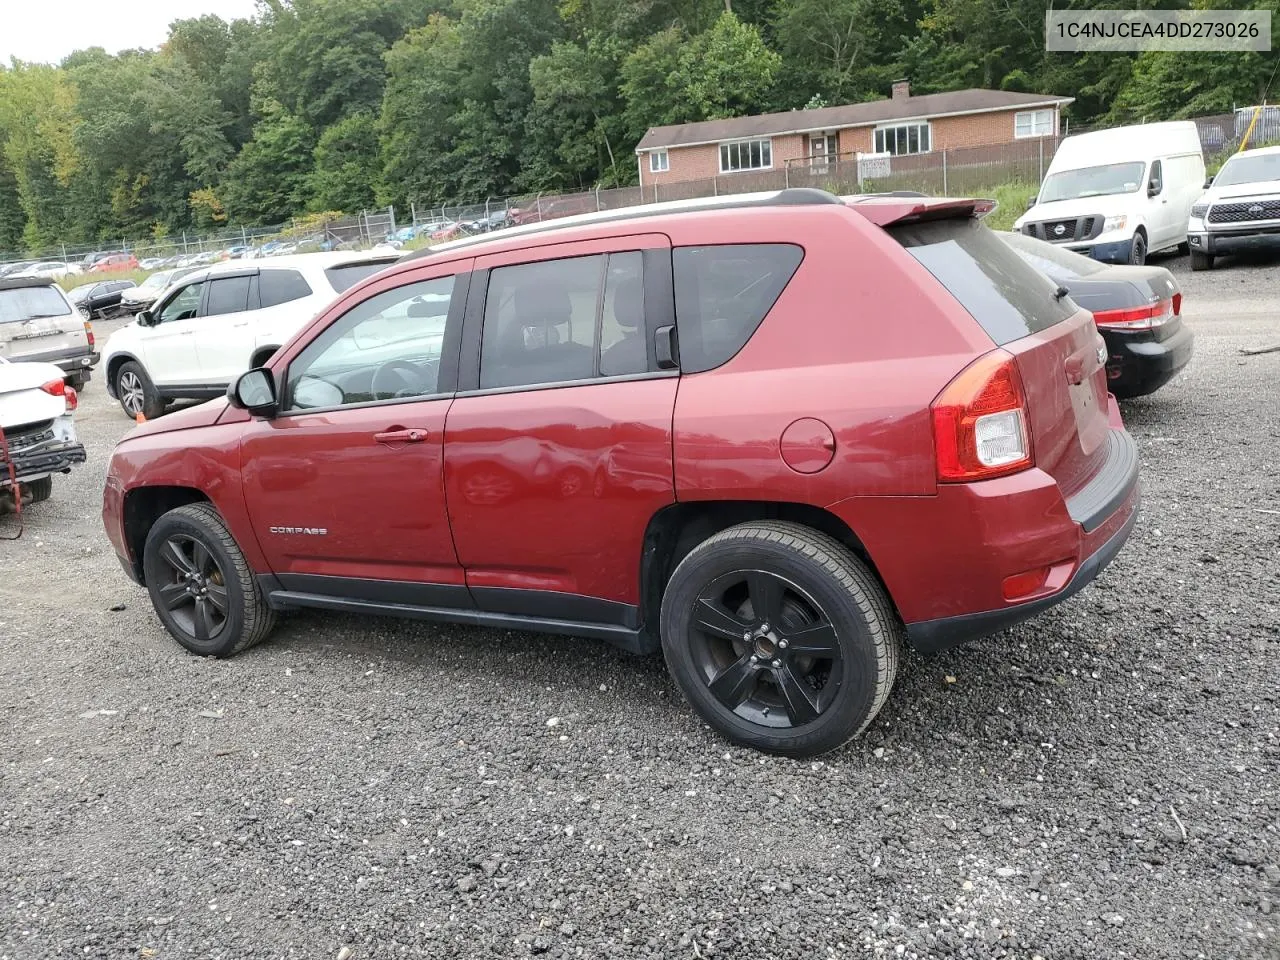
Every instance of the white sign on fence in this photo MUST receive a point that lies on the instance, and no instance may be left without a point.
(872, 166)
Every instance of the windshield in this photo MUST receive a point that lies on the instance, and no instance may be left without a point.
(1248, 169)
(1054, 261)
(1093, 181)
(27, 303)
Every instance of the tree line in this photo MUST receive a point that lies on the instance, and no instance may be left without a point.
(318, 105)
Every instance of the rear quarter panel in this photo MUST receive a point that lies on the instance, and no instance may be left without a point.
(855, 340)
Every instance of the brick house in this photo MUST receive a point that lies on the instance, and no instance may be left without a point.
(901, 125)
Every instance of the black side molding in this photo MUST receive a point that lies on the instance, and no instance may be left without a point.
(1098, 499)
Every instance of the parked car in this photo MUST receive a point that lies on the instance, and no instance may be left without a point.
(38, 431)
(1240, 208)
(135, 299)
(1121, 193)
(215, 323)
(1138, 311)
(47, 269)
(102, 300)
(39, 324)
(840, 423)
(91, 258)
(116, 263)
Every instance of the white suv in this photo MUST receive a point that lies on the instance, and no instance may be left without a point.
(1240, 208)
(214, 324)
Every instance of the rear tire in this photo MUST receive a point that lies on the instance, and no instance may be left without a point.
(40, 490)
(201, 585)
(1201, 261)
(780, 638)
(136, 392)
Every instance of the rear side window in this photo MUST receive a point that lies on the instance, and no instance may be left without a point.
(346, 275)
(1008, 297)
(227, 295)
(281, 286)
(722, 294)
(27, 303)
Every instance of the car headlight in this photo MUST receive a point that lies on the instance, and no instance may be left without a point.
(1198, 210)
(1114, 223)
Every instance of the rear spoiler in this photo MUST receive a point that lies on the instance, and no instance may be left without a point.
(19, 282)
(886, 209)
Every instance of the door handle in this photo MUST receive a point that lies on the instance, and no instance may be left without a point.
(402, 435)
(245, 324)
(187, 333)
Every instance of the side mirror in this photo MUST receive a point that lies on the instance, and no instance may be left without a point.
(1208, 183)
(144, 318)
(254, 391)
(1031, 202)
(1154, 188)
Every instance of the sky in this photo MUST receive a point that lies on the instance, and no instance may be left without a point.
(45, 32)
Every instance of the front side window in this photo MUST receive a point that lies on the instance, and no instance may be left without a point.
(281, 286)
(386, 348)
(659, 161)
(903, 139)
(723, 292)
(227, 295)
(183, 306)
(746, 155)
(1033, 123)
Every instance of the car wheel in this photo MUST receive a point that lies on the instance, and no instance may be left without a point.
(201, 585)
(1138, 249)
(136, 392)
(780, 638)
(1184, 248)
(77, 382)
(40, 490)
(1201, 261)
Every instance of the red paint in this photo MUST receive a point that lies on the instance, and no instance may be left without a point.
(827, 405)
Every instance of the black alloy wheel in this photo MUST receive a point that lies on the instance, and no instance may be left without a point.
(195, 592)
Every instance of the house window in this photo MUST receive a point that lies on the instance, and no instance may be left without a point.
(746, 155)
(1033, 123)
(903, 138)
(659, 161)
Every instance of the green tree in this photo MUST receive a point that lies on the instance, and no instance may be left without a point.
(347, 165)
(268, 180)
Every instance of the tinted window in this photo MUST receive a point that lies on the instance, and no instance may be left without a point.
(1156, 178)
(227, 295)
(1006, 295)
(623, 344)
(281, 286)
(347, 275)
(540, 322)
(722, 294)
(385, 348)
(183, 306)
(26, 303)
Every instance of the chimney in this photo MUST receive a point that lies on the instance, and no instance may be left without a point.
(901, 89)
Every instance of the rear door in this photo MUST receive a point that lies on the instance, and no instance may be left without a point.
(224, 334)
(562, 427)
(1060, 355)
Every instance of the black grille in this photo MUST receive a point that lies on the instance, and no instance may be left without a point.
(1244, 212)
(1062, 231)
(20, 438)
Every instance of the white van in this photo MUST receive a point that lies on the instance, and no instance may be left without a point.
(1118, 194)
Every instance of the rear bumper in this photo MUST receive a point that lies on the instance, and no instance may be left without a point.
(1139, 364)
(41, 460)
(1233, 239)
(77, 360)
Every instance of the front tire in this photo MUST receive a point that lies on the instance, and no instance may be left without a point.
(780, 638)
(201, 585)
(137, 393)
(1138, 249)
(1201, 261)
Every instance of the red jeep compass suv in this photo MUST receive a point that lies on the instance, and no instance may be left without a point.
(770, 435)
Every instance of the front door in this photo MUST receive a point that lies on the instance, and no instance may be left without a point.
(558, 447)
(345, 485)
(169, 345)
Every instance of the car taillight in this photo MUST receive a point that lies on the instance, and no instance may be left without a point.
(980, 422)
(1139, 318)
(88, 332)
(58, 388)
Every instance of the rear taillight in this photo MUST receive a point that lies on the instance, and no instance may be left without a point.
(980, 422)
(88, 332)
(57, 388)
(1139, 318)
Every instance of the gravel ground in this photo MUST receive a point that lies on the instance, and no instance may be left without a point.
(1099, 783)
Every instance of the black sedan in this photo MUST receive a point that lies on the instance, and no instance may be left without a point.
(1138, 311)
(101, 301)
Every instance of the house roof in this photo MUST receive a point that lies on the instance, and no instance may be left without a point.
(849, 115)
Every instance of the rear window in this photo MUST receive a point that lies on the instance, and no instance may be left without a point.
(27, 303)
(347, 275)
(281, 286)
(1005, 294)
(1056, 262)
(722, 294)
(227, 295)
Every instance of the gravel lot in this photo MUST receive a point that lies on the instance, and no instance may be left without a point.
(1099, 783)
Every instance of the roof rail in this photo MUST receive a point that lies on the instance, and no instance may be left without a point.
(790, 197)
